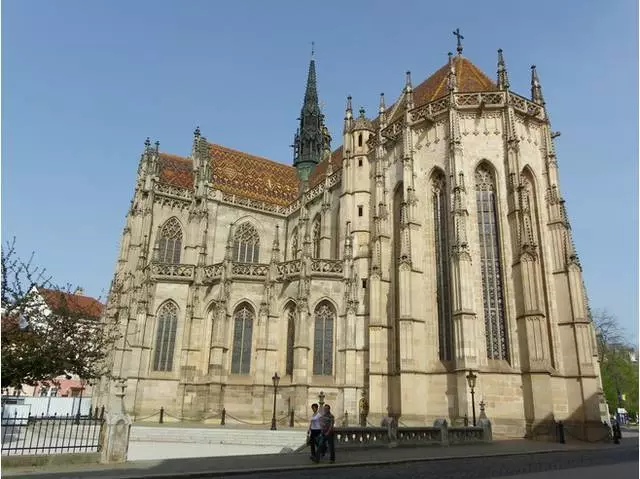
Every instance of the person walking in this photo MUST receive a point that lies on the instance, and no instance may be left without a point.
(327, 422)
(314, 430)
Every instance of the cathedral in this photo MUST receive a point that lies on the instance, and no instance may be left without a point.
(433, 241)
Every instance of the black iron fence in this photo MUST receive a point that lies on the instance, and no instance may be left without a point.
(50, 435)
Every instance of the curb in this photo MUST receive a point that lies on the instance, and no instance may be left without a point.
(264, 470)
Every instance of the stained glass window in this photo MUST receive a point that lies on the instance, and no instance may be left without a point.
(167, 318)
(246, 244)
(323, 339)
(494, 320)
(242, 333)
(170, 242)
(441, 237)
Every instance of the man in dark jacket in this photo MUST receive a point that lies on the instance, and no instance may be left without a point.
(327, 422)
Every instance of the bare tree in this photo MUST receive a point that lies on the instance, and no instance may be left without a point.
(609, 333)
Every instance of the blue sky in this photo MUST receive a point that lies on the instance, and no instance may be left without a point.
(83, 84)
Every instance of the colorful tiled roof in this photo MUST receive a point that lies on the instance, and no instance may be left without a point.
(469, 79)
(245, 175)
(468, 76)
(317, 176)
(253, 177)
(62, 302)
(175, 170)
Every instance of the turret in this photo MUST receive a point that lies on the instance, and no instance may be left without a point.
(201, 164)
(503, 79)
(348, 116)
(408, 90)
(452, 81)
(536, 88)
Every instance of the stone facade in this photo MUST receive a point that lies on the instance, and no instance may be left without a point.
(434, 241)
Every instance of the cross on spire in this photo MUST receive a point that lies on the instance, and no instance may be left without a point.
(460, 38)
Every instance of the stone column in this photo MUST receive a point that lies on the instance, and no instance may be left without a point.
(115, 433)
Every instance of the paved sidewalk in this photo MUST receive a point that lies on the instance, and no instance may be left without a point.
(232, 465)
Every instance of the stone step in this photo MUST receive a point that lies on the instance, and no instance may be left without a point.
(247, 437)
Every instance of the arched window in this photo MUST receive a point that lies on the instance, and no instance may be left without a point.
(246, 244)
(294, 244)
(323, 340)
(315, 234)
(170, 242)
(167, 319)
(359, 139)
(489, 237)
(290, 315)
(242, 333)
(441, 236)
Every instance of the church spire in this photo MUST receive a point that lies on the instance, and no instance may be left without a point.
(503, 79)
(536, 88)
(308, 143)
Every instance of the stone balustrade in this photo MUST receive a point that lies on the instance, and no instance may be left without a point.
(249, 270)
(286, 271)
(213, 272)
(460, 435)
(327, 267)
(172, 272)
(438, 434)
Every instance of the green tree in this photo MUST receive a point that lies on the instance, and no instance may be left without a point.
(47, 333)
(619, 373)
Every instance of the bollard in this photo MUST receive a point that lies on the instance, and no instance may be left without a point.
(161, 415)
(102, 413)
(223, 416)
(560, 432)
(291, 421)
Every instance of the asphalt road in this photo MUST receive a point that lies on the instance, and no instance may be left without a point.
(619, 463)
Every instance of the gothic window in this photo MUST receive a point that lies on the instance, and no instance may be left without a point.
(290, 314)
(167, 318)
(441, 245)
(489, 241)
(323, 340)
(294, 244)
(246, 244)
(242, 333)
(170, 242)
(316, 237)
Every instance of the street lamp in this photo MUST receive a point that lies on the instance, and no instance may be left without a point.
(471, 380)
(276, 381)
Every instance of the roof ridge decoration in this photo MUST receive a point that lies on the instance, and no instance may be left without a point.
(459, 37)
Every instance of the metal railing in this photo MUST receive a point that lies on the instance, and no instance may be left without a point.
(50, 435)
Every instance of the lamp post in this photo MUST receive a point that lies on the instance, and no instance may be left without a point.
(276, 381)
(321, 399)
(471, 380)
